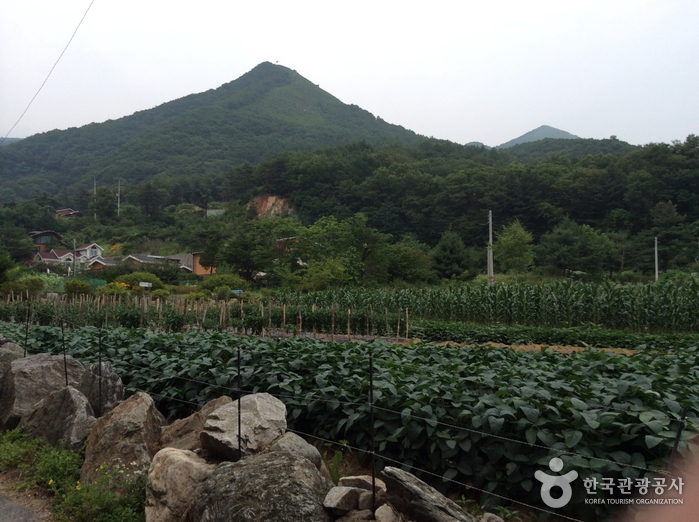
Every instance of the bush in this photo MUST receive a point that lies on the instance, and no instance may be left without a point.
(75, 287)
(113, 289)
(135, 278)
(222, 292)
(160, 294)
(113, 497)
(233, 282)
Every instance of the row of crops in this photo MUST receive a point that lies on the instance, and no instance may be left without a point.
(489, 418)
(656, 308)
(666, 307)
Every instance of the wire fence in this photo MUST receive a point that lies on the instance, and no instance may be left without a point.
(240, 368)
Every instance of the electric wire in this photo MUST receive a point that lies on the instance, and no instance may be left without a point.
(49, 74)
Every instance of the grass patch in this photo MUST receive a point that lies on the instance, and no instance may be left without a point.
(114, 497)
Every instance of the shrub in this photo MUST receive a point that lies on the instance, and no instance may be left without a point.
(113, 289)
(195, 296)
(222, 292)
(233, 282)
(160, 294)
(75, 287)
(135, 278)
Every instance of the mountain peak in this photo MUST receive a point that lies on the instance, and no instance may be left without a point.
(540, 133)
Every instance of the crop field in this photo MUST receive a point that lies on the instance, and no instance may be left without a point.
(477, 416)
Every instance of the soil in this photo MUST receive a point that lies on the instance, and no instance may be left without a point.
(28, 505)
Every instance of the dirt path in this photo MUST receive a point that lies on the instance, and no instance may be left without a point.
(31, 505)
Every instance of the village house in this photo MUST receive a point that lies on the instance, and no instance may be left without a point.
(64, 256)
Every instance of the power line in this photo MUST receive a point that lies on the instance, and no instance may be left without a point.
(49, 74)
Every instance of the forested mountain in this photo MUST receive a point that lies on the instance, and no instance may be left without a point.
(269, 109)
(571, 149)
(540, 133)
(370, 214)
(8, 141)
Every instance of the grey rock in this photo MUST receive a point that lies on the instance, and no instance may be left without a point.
(419, 501)
(292, 443)
(263, 420)
(28, 380)
(357, 516)
(65, 415)
(366, 500)
(270, 487)
(184, 433)
(362, 481)
(10, 351)
(175, 479)
(342, 499)
(111, 393)
(125, 437)
(386, 513)
(490, 517)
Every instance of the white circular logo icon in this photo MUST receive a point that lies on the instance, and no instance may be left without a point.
(550, 481)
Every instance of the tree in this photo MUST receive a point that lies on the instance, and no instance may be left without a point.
(6, 263)
(209, 257)
(17, 243)
(574, 248)
(449, 256)
(410, 261)
(103, 205)
(513, 248)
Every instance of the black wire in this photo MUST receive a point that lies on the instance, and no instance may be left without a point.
(49, 74)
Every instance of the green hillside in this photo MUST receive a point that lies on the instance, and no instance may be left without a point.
(537, 134)
(269, 109)
(571, 149)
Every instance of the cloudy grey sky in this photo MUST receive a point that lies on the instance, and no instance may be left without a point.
(465, 71)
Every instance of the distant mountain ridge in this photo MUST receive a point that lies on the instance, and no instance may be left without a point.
(269, 109)
(540, 133)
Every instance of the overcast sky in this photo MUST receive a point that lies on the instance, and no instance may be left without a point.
(465, 71)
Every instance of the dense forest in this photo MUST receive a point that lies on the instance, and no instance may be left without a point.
(371, 215)
(269, 109)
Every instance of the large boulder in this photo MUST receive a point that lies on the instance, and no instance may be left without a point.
(175, 480)
(10, 351)
(28, 380)
(184, 433)
(270, 487)
(292, 443)
(103, 397)
(418, 501)
(263, 420)
(65, 415)
(126, 437)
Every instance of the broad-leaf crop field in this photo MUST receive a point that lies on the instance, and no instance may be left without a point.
(472, 415)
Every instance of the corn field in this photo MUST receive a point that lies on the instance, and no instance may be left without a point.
(665, 308)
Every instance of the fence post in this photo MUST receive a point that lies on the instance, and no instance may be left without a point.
(332, 322)
(300, 328)
(240, 393)
(99, 371)
(371, 426)
(398, 325)
(26, 329)
(65, 359)
(407, 323)
(677, 437)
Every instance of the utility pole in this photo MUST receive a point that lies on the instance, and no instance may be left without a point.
(73, 257)
(656, 258)
(491, 269)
